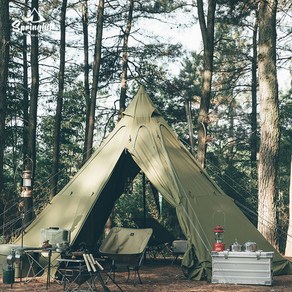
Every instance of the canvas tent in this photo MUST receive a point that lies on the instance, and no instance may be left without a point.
(142, 140)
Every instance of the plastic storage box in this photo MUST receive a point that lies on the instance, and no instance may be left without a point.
(54, 235)
(242, 267)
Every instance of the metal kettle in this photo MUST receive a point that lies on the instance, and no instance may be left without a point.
(250, 246)
(236, 246)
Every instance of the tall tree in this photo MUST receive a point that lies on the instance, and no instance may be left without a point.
(96, 68)
(288, 250)
(86, 69)
(25, 88)
(127, 31)
(32, 124)
(4, 58)
(253, 138)
(58, 115)
(207, 31)
(269, 121)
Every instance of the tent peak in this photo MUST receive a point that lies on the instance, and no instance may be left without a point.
(141, 106)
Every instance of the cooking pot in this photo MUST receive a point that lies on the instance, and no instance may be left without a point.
(250, 246)
(236, 246)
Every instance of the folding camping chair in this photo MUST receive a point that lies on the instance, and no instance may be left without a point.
(126, 246)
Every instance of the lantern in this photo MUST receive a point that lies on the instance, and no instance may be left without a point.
(26, 178)
(26, 200)
(218, 234)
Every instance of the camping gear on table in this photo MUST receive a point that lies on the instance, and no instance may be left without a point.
(62, 246)
(126, 246)
(236, 246)
(56, 237)
(250, 246)
(218, 234)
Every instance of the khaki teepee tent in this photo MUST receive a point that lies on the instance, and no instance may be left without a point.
(143, 140)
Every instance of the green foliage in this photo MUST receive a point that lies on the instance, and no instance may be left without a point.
(284, 175)
(131, 205)
(235, 12)
(72, 137)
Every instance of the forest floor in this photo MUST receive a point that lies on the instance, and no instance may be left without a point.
(156, 276)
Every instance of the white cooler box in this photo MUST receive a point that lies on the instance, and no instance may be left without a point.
(242, 267)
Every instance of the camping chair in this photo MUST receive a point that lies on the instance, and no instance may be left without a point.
(126, 246)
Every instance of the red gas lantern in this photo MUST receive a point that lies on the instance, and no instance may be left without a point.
(218, 234)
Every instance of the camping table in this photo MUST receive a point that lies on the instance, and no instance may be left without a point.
(33, 261)
(80, 263)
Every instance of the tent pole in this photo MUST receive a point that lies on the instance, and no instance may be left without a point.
(144, 206)
(144, 198)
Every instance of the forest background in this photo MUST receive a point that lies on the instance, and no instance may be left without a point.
(69, 69)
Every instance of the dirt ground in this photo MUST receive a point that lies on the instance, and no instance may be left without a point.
(161, 276)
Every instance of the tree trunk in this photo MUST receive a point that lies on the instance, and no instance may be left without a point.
(123, 94)
(127, 31)
(30, 162)
(86, 70)
(207, 31)
(269, 121)
(25, 90)
(288, 250)
(4, 60)
(58, 116)
(230, 148)
(253, 137)
(190, 123)
(96, 67)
